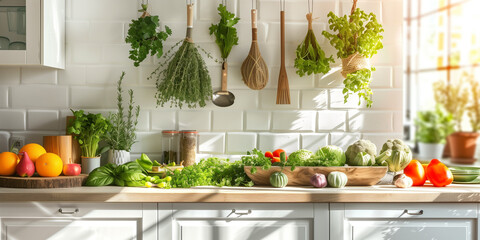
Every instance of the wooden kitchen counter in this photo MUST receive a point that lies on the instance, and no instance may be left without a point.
(379, 193)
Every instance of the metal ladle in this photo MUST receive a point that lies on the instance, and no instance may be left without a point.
(223, 98)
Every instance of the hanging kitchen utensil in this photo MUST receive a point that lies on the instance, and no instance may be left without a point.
(226, 37)
(223, 98)
(254, 69)
(310, 58)
(283, 90)
(185, 80)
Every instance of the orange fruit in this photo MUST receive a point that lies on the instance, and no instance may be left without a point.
(33, 150)
(8, 162)
(49, 165)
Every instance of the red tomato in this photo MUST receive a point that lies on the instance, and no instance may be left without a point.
(277, 152)
(415, 171)
(439, 174)
(275, 159)
(269, 154)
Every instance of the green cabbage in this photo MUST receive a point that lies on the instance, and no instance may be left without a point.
(396, 154)
(330, 156)
(300, 155)
(363, 147)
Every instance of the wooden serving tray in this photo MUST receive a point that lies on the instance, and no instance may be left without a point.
(357, 176)
(43, 182)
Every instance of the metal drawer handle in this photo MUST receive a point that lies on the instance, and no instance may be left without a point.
(240, 213)
(413, 213)
(68, 213)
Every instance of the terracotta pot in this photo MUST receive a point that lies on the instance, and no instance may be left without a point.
(463, 144)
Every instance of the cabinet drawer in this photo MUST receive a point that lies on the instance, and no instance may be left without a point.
(420, 210)
(234, 210)
(87, 210)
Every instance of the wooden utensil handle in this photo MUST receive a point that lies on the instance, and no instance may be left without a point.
(282, 36)
(224, 76)
(190, 16)
(254, 18)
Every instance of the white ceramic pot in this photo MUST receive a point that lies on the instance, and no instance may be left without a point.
(118, 157)
(431, 150)
(88, 164)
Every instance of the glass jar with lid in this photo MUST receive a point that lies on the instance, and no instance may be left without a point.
(188, 147)
(170, 146)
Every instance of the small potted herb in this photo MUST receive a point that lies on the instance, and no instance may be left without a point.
(122, 135)
(433, 127)
(460, 97)
(89, 129)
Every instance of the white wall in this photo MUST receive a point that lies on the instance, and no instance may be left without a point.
(34, 102)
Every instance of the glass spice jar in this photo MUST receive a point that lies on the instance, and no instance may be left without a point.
(170, 146)
(188, 147)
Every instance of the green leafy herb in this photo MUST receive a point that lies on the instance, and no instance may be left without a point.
(122, 134)
(225, 32)
(434, 126)
(310, 57)
(144, 38)
(211, 172)
(89, 129)
(359, 33)
(102, 176)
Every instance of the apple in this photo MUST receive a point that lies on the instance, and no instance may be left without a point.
(72, 169)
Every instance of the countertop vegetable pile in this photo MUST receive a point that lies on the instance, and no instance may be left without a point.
(222, 172)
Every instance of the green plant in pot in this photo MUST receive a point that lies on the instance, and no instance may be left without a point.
(89, 130)
(121, 136)
(460, 97)
(433, 127)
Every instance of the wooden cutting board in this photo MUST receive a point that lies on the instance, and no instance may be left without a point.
(357, 176)
(43, 182)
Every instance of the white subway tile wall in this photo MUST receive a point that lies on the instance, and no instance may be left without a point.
(35, 101)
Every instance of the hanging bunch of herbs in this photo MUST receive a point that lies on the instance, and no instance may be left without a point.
(225, 32)
(122, 133)
(310, 57)
(185, 80)
(144, 38)
(357, 38)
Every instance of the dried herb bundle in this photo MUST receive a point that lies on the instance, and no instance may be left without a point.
(186, 79)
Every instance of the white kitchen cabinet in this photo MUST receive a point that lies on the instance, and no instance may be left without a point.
(32, 33)
(248, 221)
(80, 221)
(403, 221)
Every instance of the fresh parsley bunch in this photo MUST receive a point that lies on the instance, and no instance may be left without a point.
(144, 38)
(225, 32)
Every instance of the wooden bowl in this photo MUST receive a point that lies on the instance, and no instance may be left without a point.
(357, 176)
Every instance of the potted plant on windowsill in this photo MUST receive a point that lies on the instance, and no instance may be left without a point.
(433, 127)
(460, 98)
(122, 135)
(89, 129)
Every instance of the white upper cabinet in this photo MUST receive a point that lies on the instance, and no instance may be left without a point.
(32, 33)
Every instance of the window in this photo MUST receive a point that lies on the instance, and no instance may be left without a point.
(442, 40)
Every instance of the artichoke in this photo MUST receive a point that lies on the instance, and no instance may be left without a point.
(395, 154)
(361, 147)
